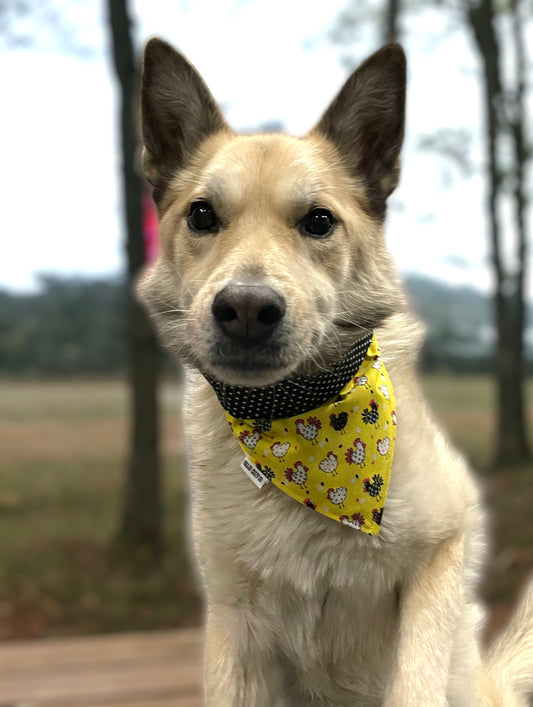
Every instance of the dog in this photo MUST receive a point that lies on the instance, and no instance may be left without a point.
(343, 575)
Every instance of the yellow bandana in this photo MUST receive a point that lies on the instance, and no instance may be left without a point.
(336, 458)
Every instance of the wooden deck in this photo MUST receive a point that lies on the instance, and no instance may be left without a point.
(155, 669)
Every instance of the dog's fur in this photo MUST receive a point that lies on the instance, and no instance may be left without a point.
(302, 611)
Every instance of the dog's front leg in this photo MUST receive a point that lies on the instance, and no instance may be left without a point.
(240, 668)
(431, 602)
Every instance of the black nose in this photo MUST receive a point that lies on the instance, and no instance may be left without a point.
(248, 313)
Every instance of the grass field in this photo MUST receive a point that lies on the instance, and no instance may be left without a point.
(62, 458)
(62, 462)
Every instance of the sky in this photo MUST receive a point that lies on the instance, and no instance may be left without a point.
(264, 61)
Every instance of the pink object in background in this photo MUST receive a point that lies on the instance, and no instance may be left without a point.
(150, 228)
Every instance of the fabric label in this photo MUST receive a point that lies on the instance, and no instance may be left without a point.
(253, 473)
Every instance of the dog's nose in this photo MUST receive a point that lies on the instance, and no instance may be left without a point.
(248, 313)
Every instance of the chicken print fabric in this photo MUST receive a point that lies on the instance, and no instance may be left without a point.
(336, 459)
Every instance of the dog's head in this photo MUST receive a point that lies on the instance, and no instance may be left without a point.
(273, 257)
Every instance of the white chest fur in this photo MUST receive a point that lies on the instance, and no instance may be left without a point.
(323, 598)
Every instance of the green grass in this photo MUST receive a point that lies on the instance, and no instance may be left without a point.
(61, 475)
(62, 460)
(463, 404)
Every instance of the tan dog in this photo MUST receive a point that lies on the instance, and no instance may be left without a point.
(273, 264)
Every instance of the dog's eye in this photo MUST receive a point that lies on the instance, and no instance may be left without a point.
(319, 223)
(202, 218)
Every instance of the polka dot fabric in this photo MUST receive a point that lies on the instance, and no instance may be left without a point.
(291, 396)
(335, 459)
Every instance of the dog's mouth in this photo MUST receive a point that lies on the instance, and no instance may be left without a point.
(344, 324)
(288, 395)
(242, 363)
(283, 354)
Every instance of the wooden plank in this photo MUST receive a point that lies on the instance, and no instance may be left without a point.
(82, 649)
(183, 701)
(136, 668)
(58, 686)
(132, 701)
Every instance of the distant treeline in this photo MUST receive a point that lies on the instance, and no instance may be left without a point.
(72, 327)
(77, 327)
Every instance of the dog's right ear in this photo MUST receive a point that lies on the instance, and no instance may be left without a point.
(178, 111)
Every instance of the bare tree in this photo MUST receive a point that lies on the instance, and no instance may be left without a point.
(141, 519)
(392, 16)
(504, 112)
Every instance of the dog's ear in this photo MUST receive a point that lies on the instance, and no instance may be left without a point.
(178, 111)
(366, 122)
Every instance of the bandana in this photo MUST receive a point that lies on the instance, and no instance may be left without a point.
(335, 458)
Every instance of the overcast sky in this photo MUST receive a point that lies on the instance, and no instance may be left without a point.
(265, 61)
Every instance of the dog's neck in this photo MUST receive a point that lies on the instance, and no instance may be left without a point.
(293, 395)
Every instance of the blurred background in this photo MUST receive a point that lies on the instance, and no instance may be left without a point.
(92, 461)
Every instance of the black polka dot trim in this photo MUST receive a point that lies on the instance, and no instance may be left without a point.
(291, 396)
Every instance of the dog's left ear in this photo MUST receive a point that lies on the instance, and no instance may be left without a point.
(366, 123)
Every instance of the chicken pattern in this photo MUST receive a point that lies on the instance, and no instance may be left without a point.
(250, 438)
(298, 475)
(383, 446)
(317, 457)
(338, 422)
(357, 453)
(308, 430)
(356, 520)
(280, 449)
(338, 495)
(329, 464)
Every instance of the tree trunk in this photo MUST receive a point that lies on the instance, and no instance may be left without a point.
(511, 440)
(517, 124)
(392, 14)
(140, 529)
